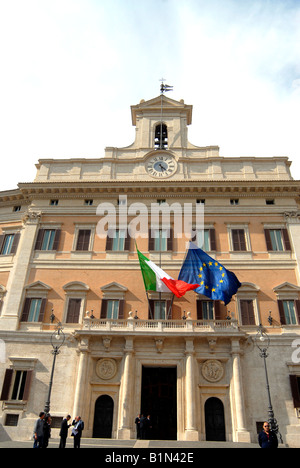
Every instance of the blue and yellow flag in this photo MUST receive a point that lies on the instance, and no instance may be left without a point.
(214, 280)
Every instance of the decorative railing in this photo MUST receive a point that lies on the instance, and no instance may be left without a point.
(164, 326)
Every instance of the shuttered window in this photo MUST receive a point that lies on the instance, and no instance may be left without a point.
(34, 310)
(112, 309)
(161, 240)
(83, 240)
(205, 239)
(247, 312)
(48, 239)
(74, 307)
(277, 240)
(118, 240)
(16, 385)
(295, 388)
(9, 243)
(238, 240)
(289, 312)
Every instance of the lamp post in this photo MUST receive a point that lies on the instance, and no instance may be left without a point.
(57, 340)
(262, 341)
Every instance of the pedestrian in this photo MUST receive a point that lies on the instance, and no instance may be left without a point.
(64, 431)
(38, 431)
(143, 428)
(148, 427)
(267, 438)
(47, 430)
(137, 423)
(77, 430)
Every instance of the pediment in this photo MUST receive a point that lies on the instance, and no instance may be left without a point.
(38, 286)
(74, 286)
(286, 287)
(114, 287)
(154, 106)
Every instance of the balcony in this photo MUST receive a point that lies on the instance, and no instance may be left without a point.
(138, 326)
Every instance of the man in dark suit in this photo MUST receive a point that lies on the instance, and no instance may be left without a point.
(64, 431)
(267, 438)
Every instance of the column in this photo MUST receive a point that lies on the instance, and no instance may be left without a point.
(81, 382)
(17, 279)
(242, 435)
(191, 432)
(126, 396)
(293, 223)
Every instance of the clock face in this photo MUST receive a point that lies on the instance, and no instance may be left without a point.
(161, 166)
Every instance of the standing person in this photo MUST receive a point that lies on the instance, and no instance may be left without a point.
(148, 427)
(267, 438)
(77, 431)
(47, 430)
(64, 431)
(143, 428)
(138, 423)
(38, 431)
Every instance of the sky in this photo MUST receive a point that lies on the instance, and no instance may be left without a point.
(71, 69)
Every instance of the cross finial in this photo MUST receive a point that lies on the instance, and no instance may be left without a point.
(164, 87)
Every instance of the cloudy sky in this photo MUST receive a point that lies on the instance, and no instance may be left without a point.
(70, 69)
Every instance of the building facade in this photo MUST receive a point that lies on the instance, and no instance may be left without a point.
(190, 363)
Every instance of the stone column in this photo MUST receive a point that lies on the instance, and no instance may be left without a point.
(293, 223)
(126, 395)
(81, 382)
(191, 432)
(17, 279)
(242, 435)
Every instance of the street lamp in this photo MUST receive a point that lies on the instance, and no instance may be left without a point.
(262, 341)
(57, 340)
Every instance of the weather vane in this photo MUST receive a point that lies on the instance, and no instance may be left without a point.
(164, 87)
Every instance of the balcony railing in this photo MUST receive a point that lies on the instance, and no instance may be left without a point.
(163, 326)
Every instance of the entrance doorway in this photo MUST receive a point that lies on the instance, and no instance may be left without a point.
(103, 420)
(214, 420)
(159, 400)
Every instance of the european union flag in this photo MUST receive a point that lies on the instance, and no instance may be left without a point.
(214, 280)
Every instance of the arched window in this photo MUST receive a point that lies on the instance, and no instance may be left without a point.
(161, 136)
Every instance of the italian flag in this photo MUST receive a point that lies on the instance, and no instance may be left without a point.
(155, 279)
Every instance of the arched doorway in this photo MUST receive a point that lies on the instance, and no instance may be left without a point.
(214, 420)
(103, 420)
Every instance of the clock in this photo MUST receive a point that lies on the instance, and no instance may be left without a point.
(161, 165)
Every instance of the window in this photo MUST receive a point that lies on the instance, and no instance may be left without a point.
(247, 312)
(11, 420)
(161, 136)
(16, 385)
(34, 310)
(54, 202)
(48, 239)
(112, 309)
(162, 240)
(270, 202)
(16, 208)
(159, 310)
(74, 308)
(295, 387)
(289, 311)
(205, 310)
(234, 201)
(205, 239)
(238, 240)
(83, 240)
(88, 202)
(118, 240)
(9, 243)
(277, 240)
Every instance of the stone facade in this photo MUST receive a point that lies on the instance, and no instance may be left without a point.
(196, 367)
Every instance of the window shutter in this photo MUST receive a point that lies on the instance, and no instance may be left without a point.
(73, 311)
(247, 312)
(29, 375)
(295, 390)
(56, 239)
(121, 309)
(151, 242)
(217, 310)
(268, 240)
(6, 384)
(127, 241)
(39, 240)
(281, 312)
(170, 241)
(213, 243)
(109, 240)
(169, 311)
(297, 307)
(26, 308)
(42, 310)
(2, 238)
(199, 310)
(238, 240)
(151, 309)
(15, 243)
(103, 314)
(83, 240)
(286, 239)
